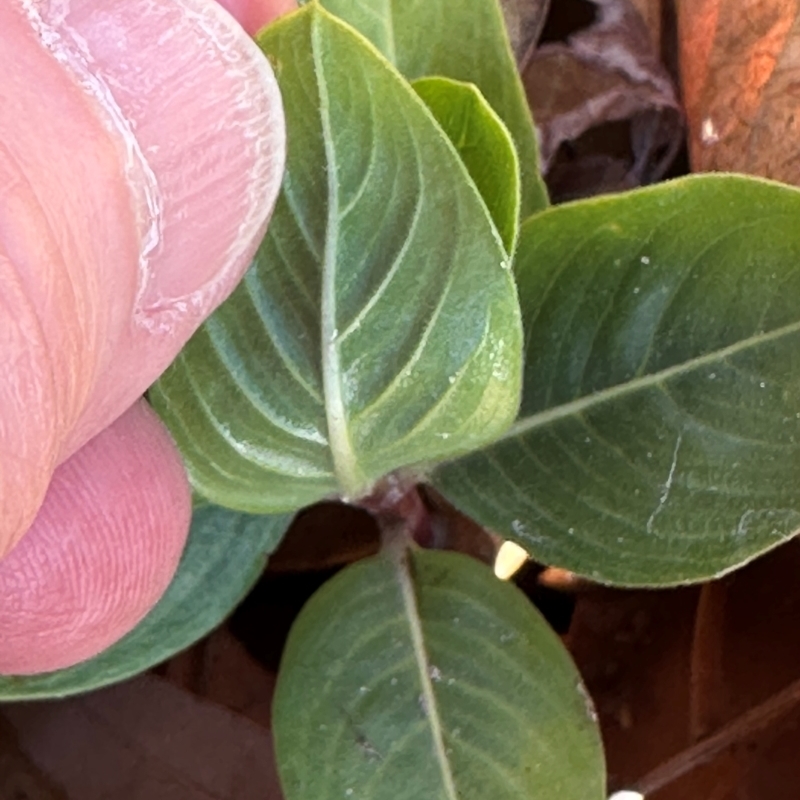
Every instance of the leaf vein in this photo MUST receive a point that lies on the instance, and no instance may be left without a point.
(391, 273)
(542, 418)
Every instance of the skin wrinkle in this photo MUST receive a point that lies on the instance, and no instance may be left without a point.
(71, 195)
(25, 212)
(217, 158)
(109, 532)
(77, 570)
(22, 389)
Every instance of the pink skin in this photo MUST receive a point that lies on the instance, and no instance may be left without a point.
(102, 550)
(93, 518)
(253, 15)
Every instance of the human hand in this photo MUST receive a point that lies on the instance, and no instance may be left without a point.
(141, 152)
(255, 14)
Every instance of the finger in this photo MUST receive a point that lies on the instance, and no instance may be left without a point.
(200, 111)
(255, 14)
(28, 451)
(101, 551)
(65, 226)
(135, 183)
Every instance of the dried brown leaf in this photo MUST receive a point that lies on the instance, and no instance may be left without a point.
(761, 658)
(633, 651)
(740, 70)
(651, 12)
(220, 669)
(324, 536)
(706, 703)
(19, 778)
(721, 663)
(605, 73)
(145, 740)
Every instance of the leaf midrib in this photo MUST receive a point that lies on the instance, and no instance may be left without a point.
(400, 555)
(344, 457)
(574, 407)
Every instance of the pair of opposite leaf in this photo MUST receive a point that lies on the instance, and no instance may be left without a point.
(378, 330)
(142, 151)
(679, 455)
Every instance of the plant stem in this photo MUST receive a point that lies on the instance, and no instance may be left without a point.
(396, 502)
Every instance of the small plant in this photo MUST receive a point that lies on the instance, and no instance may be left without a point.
(613, 384)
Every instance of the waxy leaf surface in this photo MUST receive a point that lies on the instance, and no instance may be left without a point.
(421, 675)
(484, 144)
(379, 325)
(225, 555)
(466, 41)
(659, 435)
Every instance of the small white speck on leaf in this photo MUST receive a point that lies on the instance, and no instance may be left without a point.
(645, 259)
(423, 704)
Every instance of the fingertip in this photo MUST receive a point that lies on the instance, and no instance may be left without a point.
(102, 550)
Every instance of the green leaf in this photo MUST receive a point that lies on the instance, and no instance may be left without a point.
(484, 144)
(225, 555)
(421, 675)
(466, 41)
(379, 325)
(659, 435)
